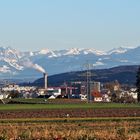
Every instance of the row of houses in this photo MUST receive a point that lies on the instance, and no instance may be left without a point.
(98, 92)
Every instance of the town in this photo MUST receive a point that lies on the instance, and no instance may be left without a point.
(90, 91)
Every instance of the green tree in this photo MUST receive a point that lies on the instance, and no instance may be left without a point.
(138, 83)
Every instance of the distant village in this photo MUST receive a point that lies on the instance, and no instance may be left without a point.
(90, 92)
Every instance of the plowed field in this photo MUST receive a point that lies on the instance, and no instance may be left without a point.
(63, 113)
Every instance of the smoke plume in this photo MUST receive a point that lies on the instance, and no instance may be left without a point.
(29, 64)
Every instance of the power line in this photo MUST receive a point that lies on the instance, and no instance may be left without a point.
(88, 76)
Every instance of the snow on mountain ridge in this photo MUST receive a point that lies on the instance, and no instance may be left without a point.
(14, 54)
(93, 51)
(78, 51)
(11, 60)
(118, 50)
(72, 51)
(5, 69)
(44, 51)
(10, 52)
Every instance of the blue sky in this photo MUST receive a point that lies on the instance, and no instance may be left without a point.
(60, 24)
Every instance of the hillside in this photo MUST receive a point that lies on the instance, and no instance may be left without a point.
(124, 74)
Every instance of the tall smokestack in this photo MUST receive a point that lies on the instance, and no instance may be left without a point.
(45, 80)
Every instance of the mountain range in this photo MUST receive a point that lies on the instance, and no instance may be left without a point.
(18, 64)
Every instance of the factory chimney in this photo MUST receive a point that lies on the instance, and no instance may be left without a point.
(29, 64)
(45, 81)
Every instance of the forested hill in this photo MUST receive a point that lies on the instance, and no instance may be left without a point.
(124, 74)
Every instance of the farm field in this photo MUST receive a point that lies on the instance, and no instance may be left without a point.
(34, 119)
(62, 108)
(40, 103)
(72, 113)
(98, 130)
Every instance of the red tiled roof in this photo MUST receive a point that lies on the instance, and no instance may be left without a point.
(96, 94)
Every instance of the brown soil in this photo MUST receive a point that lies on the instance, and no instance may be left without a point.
(62, 113)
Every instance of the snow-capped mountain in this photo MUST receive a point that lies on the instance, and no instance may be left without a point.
(118, 50)
(14, 62)
(10, 59)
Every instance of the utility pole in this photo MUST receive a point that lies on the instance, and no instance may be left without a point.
(88, 81)
(88, 74)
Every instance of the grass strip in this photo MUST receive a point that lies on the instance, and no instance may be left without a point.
(66, 106)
